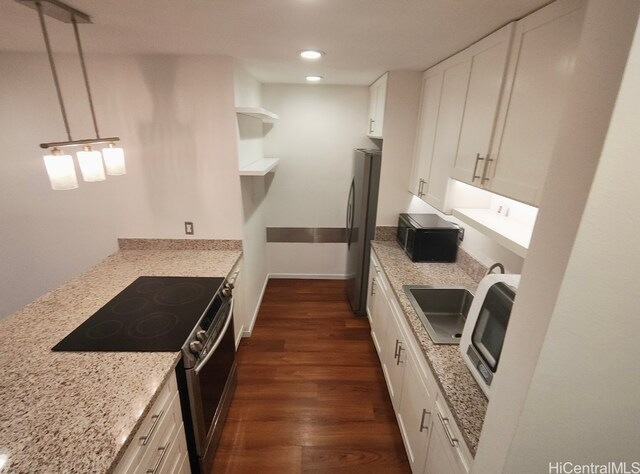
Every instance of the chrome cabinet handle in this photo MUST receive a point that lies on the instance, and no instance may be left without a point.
(373, 286)
(395, 352)
(421, 187)
(475, 168)
(156, 419)
(445, 424)
(163, 451)
(484, 171)
(400, 349)
(371, 122)
(424, 414)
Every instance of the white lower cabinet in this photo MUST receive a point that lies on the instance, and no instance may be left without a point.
(159, 446)
(377, 308)
(431, 438)
(415, 413)
(446, 453)
(394, 354)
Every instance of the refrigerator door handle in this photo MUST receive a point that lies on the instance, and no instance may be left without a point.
(350, 212)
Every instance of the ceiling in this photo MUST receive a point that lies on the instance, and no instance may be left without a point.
(361, 38)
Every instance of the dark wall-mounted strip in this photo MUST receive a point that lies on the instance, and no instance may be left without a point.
(307, 234)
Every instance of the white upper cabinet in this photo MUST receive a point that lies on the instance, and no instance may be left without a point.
(488, 63)
(540, 73)
(377, 101)
(460, 99)
(452, 100)
(426, 135)
(496, 130)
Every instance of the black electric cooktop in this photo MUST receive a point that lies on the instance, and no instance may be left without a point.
(152, 314)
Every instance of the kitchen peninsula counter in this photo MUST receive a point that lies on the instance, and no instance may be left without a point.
(463, 395)
(77, 411)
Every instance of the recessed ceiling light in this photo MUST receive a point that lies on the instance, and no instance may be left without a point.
(311, 54)
(314, 78)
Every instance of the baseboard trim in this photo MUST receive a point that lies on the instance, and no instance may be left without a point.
(247, 332)
(308, 276)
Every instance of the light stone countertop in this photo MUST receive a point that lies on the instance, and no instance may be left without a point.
(75, 412)
(463, 395)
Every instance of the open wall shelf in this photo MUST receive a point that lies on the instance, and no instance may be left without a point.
(260, 167)
(509, 233)
(257, 112)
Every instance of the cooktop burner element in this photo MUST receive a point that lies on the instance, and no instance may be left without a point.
(152, 314)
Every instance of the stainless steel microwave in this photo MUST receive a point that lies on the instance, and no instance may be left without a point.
(486, 326)
(428, 237)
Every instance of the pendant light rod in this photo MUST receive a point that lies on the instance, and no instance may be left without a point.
(53, 69)
(84, 141)
(86, 77)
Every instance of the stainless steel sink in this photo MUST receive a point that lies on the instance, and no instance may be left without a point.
(442, 310)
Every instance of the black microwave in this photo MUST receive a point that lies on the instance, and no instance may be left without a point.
(428, 237)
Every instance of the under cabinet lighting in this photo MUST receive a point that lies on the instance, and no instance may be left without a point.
(311, 54)
(62, 173)
(314, 78)
(90, 162)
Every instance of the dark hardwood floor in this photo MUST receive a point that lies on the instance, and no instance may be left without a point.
(311, 397)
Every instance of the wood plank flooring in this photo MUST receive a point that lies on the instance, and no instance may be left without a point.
(311, 397)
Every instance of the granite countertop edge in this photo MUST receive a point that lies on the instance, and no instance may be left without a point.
(462, 394)
(57, 404)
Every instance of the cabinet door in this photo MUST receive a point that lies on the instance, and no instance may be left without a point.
(423, 152)
(444, 454)
(452, 99)
(377, 100)
(394, 355)
(415, 413)
(377, 308)
(541, 69)
(488, 66)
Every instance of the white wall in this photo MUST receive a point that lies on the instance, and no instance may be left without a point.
(175, 117)
(254, 193)
(314, 138)
(569, 393)
(400, 122)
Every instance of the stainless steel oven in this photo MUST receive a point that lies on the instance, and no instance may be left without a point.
(207, 375)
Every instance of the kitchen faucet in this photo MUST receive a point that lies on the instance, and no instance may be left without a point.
(493, 267)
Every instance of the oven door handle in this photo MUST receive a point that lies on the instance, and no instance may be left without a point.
(204, 361)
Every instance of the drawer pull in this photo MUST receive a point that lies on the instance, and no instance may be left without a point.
(424, 414)
(156, 419)
(400, 349)
(373, 286)
(163, 450)
(447, 430)
(395, 352)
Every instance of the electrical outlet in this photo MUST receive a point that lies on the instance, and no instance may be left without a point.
(188, 228)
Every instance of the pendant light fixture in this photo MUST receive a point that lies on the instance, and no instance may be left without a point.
(59, 166)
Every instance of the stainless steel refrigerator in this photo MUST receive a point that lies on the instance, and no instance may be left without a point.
(361, 224)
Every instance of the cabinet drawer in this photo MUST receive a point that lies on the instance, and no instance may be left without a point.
(176, 460)
(148, 430)
(158, 450)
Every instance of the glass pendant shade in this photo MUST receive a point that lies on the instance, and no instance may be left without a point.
(114, 160)
(91, 165)
(62, 173)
